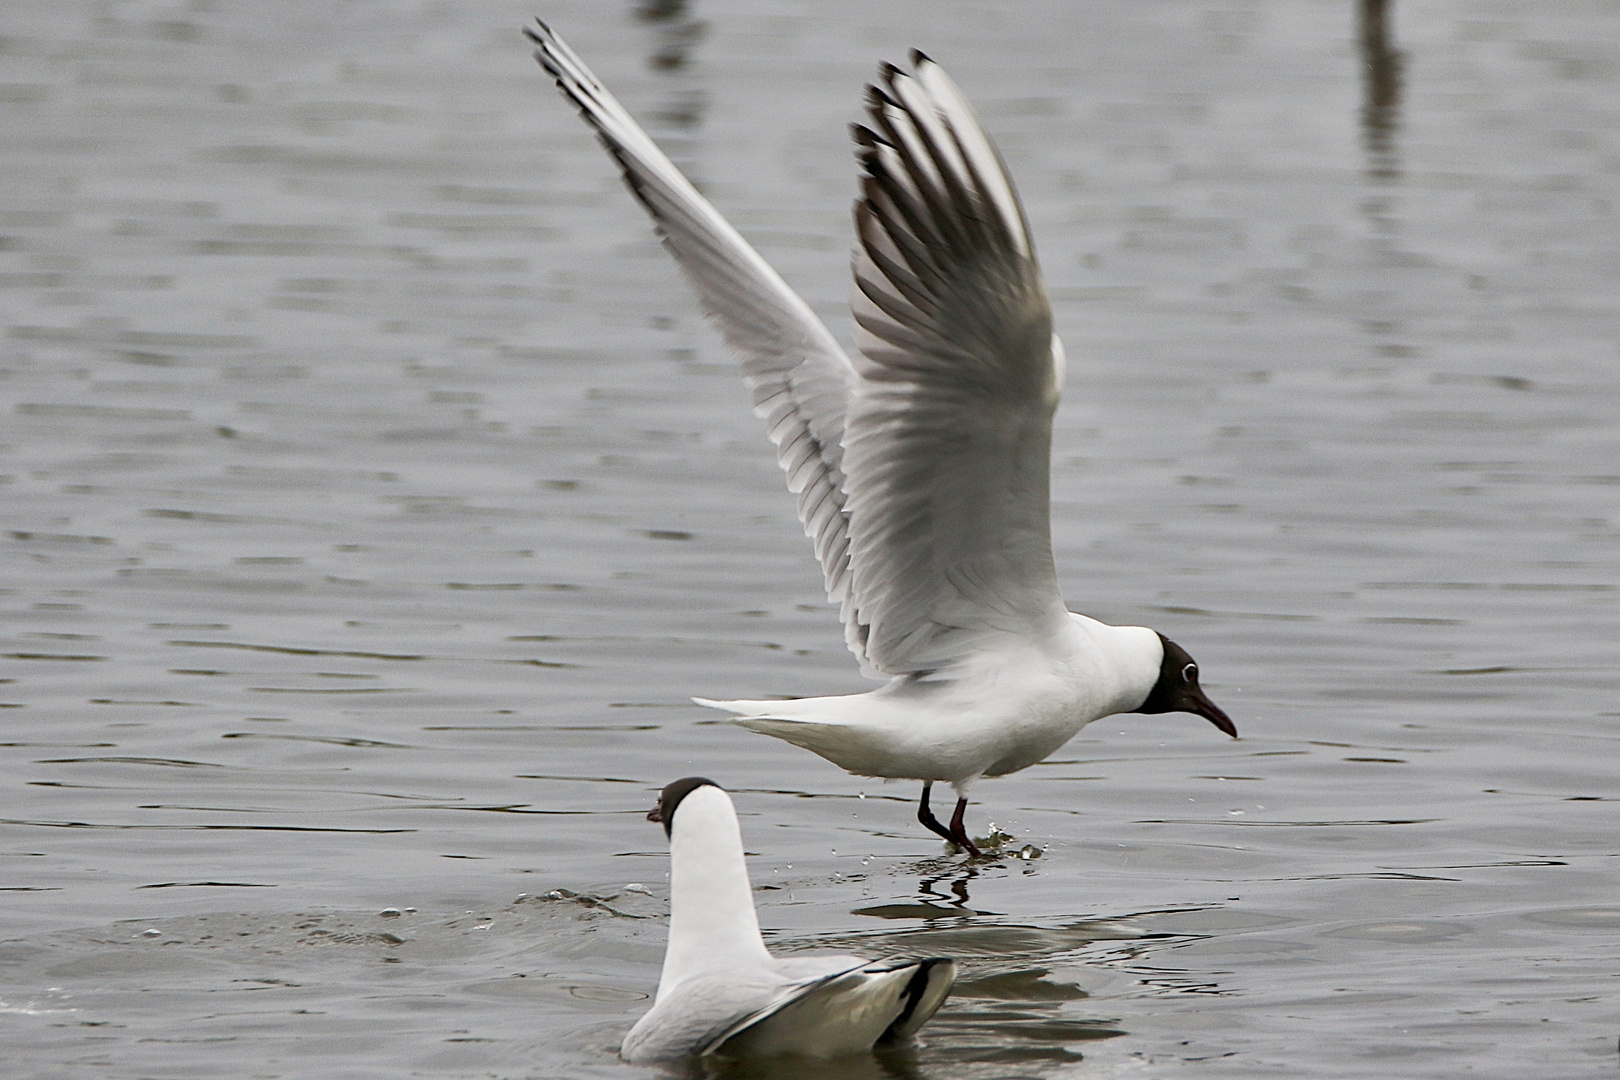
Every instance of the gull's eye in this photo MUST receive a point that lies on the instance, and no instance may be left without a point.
(1190, 673)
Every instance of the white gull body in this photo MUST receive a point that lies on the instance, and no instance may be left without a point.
(1005, 709)
(722, 993)
(921, 465)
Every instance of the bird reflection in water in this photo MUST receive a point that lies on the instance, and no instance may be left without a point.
(931, 903)
(1381, 97)
(1381, 65)
(677, 32)
(889, 1063)
(958, 887)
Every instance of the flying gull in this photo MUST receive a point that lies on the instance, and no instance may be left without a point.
(922, 464)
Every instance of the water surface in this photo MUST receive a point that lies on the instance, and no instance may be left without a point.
(374, 501)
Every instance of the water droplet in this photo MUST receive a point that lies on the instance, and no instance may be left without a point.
(389, 913)
(636, 886)
(151, 933)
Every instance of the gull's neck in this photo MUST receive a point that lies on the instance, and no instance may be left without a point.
(712, 925)
(1131, 658)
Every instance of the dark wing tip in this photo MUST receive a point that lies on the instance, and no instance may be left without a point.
(545, 43)
(919, 58)
(878, 98)
(923, 995)
(540, 33)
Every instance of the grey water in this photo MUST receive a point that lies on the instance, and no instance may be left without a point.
(373, 500)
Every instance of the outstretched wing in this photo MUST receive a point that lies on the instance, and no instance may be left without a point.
(800, 378)
(947, 441)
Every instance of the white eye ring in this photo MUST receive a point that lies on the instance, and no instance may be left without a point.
(1190, 672)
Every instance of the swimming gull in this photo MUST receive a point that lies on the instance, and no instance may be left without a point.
(922, 466)
(722, 993)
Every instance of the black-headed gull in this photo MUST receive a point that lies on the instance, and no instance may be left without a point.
(922, 467)
(722, 993)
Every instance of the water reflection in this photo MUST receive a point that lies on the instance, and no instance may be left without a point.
(1381, 92)
(678, 113)
(1381, 64)
(273, 291)
(958, 887)
(677, 32)
(932, 904)
(1019, 1002)
(655, 11)
(898, 1063)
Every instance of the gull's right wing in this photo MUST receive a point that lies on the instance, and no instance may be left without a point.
(801, 380)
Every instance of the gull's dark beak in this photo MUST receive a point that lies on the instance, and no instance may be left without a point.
(657, 812)
(1198, 702)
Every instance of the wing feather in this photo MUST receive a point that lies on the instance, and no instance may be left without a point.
(922, 469)
(849, 1011)
(947, 440)
(800, 378)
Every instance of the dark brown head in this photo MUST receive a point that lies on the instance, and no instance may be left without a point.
(1177, 690)
(671, 797)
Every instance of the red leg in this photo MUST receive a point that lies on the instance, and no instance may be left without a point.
(955, 834)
